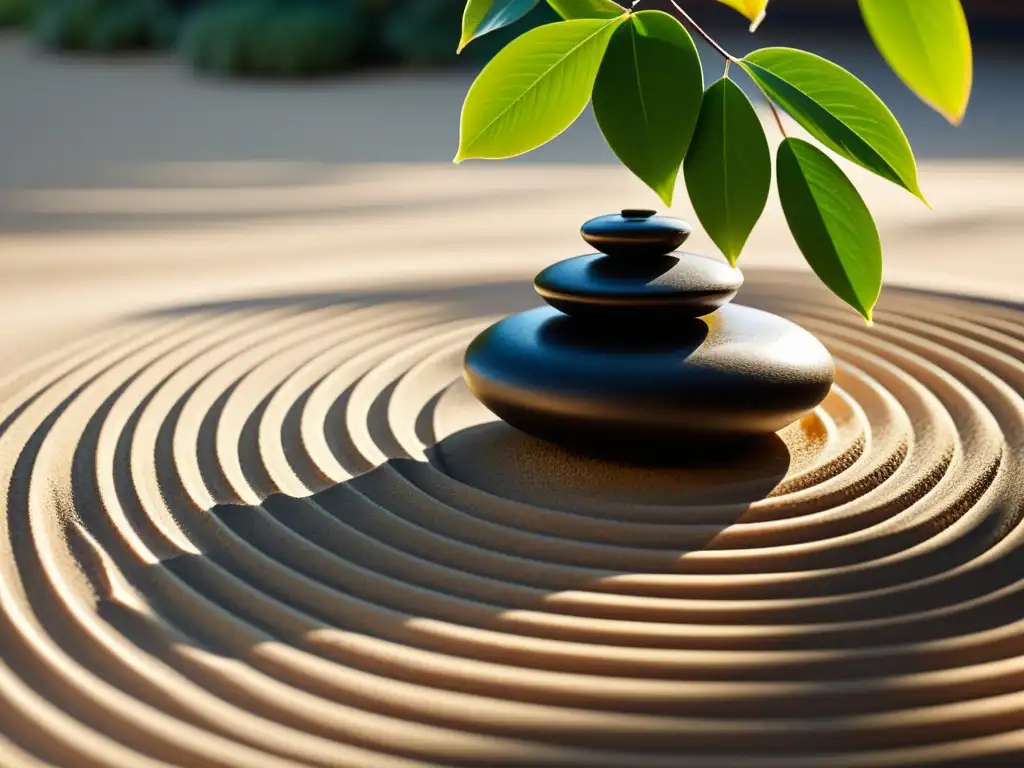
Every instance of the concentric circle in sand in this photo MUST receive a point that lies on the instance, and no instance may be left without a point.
(282, 534)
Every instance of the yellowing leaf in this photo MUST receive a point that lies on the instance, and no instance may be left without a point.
(752, 9)
(928, 44)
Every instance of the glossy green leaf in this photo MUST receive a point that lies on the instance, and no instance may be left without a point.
(483, 16)
(928, 44)
(587, 9)
(728, 168)
(647, 97)
(831, 224)
(752, 9)
(838, 110)
(534, 88)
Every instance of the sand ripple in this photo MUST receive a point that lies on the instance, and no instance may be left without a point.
(282, 534)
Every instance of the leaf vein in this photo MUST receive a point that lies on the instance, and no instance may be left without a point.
(527, 91)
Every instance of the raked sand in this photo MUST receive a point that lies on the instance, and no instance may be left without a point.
(251, 517)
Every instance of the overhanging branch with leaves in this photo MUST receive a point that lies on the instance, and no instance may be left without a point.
(643, 72)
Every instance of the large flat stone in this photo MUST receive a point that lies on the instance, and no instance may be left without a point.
(738, 373)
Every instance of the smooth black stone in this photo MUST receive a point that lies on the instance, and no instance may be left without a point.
(738, 373)
(635, 233)
(655, 288)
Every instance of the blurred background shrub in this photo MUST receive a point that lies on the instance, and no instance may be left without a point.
(305, 38)
(275, 38)
(16, 13)
(105, 26)
(302, 38)
(423, 32)
(308, 38)
(426, 32)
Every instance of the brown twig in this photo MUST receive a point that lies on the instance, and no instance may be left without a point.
(778, 118)
(697, 28)
(729, 58)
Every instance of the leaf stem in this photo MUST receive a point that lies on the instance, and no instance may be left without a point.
(778, 118)
(729, 58)
(696, 28)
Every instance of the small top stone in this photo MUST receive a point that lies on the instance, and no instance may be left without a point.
(635, 232)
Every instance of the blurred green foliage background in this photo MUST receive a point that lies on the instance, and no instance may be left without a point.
(310, 38)
(263, 38)
(15, 13)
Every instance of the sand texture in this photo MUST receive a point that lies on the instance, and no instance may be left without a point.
(270, 534)
(251, 518)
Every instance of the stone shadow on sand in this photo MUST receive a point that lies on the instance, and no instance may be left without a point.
(467, 572)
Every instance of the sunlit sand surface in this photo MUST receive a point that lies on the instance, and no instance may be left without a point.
(251, 517)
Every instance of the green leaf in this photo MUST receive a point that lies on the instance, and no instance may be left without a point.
(928, 44)
(647, 97)
(831, 224)
(534, 88)
(838, 110)
(483, 16)
(728, 167)
(587, 9)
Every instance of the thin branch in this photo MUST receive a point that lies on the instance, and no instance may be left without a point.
(696, 28)
(729, 59)
(778, 118)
